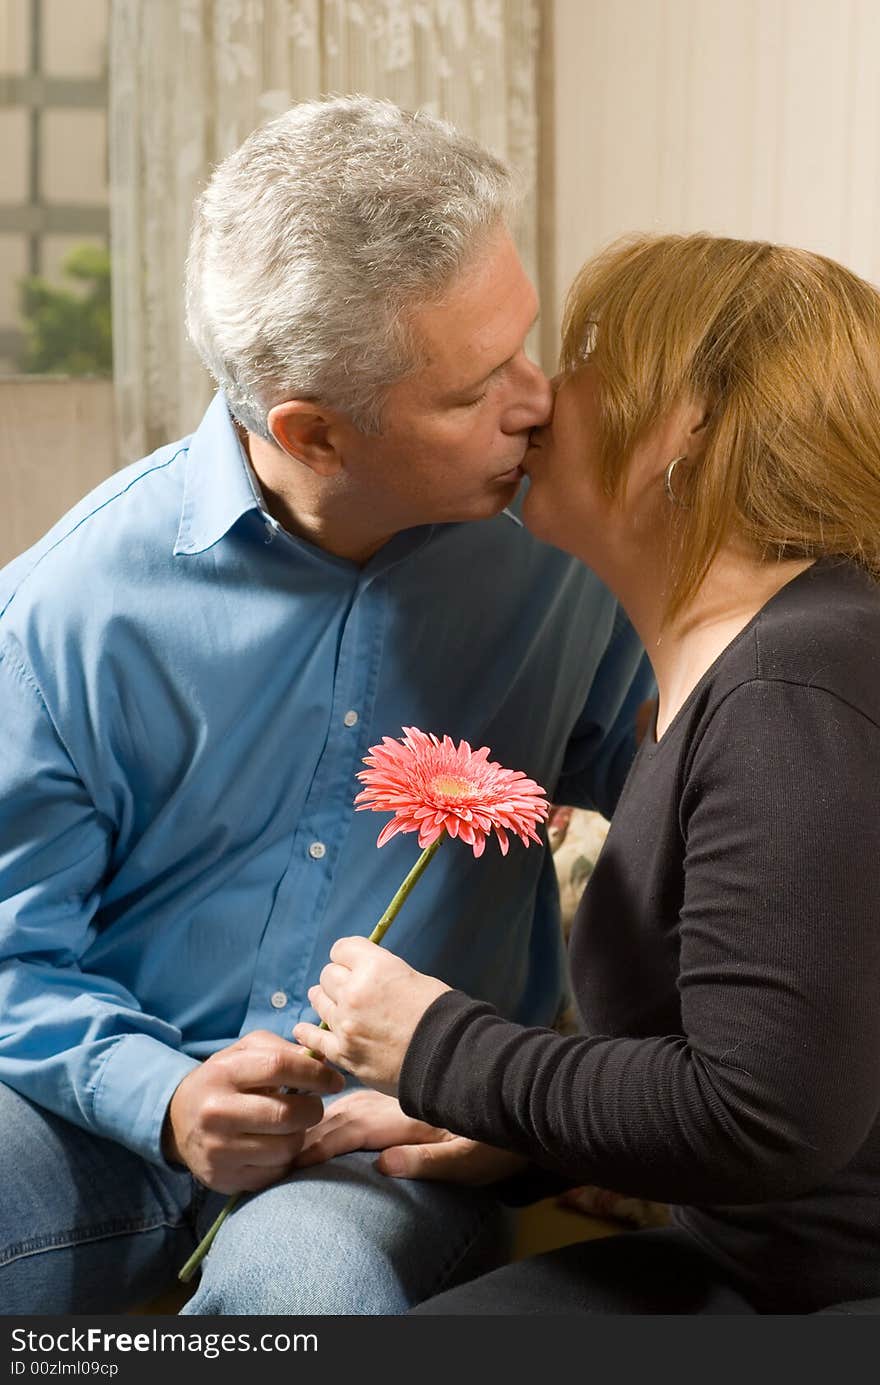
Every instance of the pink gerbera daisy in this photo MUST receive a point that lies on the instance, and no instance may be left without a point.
(433, 786)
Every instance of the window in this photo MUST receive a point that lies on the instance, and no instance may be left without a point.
(54, 212)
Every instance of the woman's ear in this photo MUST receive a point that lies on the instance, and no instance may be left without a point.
(304, 430)
(700, 414)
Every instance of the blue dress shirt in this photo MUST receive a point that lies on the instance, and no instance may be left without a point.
(186, 695)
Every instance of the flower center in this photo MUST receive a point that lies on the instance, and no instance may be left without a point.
(452, 788)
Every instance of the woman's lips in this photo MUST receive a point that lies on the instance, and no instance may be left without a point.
(532, 447)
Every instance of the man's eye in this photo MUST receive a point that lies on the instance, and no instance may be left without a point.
(469, 403)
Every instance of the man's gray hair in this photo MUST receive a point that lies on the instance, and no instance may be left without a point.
(314, 239)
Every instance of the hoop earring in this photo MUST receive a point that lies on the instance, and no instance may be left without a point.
(667, 483)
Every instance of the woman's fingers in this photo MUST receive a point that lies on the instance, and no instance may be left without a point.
(323, 1006)
(317, 1040)
(333, 979)
(453, 1159)
(362, 1120)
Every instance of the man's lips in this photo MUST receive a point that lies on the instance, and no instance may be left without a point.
(514, 473)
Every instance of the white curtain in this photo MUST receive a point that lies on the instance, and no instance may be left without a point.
(191, 78)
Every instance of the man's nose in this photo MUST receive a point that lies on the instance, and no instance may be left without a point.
(534, 402)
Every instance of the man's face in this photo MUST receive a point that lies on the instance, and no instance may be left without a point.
(456, 430)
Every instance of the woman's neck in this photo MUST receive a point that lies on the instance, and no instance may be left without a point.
(730, 595)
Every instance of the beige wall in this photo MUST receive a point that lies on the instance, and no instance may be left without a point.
(56, 443)
(753, 118)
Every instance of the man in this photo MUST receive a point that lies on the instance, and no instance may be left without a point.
(193, 664)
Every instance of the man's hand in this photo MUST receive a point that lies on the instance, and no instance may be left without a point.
(363, 1120)
(229, 1123)
(372, 1002)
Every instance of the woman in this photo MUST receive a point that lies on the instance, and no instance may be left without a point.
(714, 455)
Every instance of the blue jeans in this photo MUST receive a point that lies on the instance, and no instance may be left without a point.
(88, 1227)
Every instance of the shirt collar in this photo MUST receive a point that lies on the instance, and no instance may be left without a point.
(219, 487)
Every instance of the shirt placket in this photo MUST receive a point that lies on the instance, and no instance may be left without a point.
(285, 961)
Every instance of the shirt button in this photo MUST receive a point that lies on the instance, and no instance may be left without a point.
(350, 718)
(279, 999)
(317, 850)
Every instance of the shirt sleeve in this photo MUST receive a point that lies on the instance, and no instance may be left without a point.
(73, 1042)
(773, 1084)
(603, 742)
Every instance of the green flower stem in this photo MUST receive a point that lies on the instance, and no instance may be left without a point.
(207, 1241)
(376, 936)
(396, 905)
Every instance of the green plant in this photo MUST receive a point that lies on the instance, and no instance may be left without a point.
(68, 330)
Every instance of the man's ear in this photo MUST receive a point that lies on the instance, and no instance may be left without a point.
(305, 430)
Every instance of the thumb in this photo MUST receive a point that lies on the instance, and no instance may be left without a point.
(451, 1159)
(419, 1161)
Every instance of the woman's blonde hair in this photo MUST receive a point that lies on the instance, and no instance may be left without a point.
(784, 347)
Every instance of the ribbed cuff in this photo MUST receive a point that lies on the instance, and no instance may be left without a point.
(443, 1023)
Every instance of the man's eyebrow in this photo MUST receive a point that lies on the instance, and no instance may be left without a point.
(484, 379)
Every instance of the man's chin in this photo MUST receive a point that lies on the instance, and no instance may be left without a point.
(504, 491)
(495, 498)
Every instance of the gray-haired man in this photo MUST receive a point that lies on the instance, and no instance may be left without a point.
(193, 664)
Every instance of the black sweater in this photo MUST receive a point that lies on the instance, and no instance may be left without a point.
(726, 963)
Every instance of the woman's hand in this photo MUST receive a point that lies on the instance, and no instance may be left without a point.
(451, 1159)
(410, 1149)
(372, 1002)
(363, 1120)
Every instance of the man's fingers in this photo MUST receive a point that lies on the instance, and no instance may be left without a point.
(250, 1178)
(261, 1152)
(267, 1115)
(261, 1067)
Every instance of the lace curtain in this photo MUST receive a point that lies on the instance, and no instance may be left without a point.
(191, 78)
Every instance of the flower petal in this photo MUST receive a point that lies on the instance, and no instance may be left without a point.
(432, 785)
(390, 830)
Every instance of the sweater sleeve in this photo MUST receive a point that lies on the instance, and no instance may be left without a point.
(773, 1083)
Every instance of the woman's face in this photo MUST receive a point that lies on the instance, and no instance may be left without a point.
(565, 504)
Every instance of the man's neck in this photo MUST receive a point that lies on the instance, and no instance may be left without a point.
(311, 507)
